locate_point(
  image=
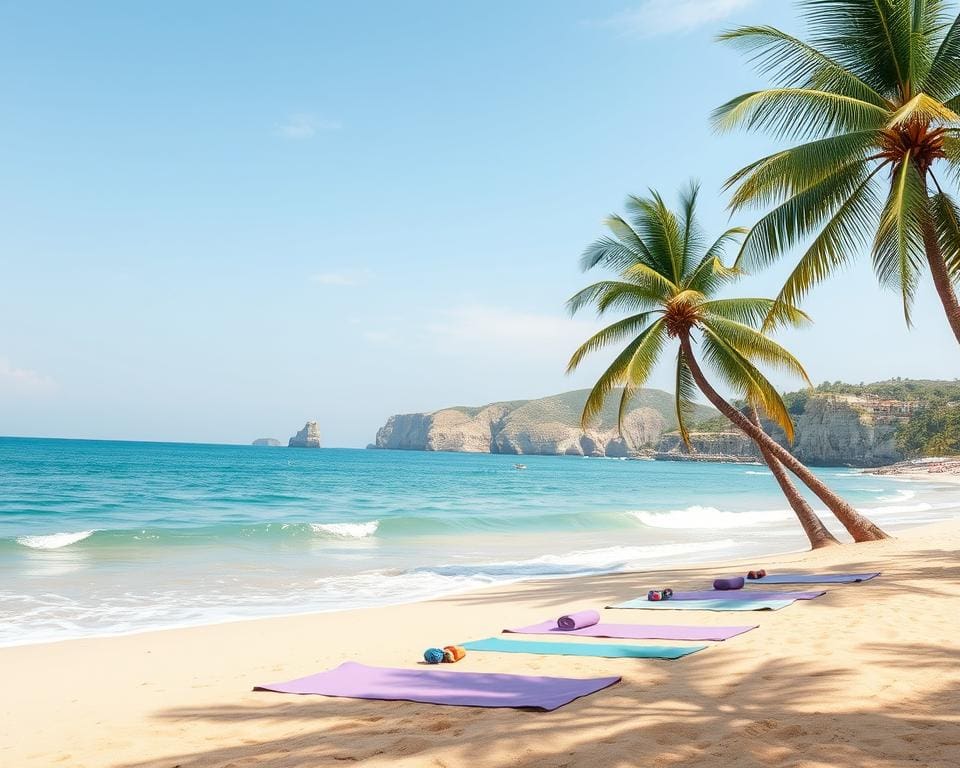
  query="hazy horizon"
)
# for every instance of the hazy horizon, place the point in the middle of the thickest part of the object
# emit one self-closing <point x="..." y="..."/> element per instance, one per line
<point x="224" y="221"/>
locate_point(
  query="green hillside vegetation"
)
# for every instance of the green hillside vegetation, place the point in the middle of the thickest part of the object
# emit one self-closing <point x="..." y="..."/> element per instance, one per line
<point x="923" y="390"/>
<point x="934" y="430"/>
<point x="567" y="407"/>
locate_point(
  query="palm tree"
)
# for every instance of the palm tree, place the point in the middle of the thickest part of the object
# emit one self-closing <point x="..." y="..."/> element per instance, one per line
<point x="668" y="281"/>
<point x="817" y="533"/>
<point x="873" y="96"/>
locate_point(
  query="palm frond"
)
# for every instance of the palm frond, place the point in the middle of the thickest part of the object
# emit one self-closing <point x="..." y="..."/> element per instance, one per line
<point x="837" y="243"/>
<point x="612" y="253"/>
<point x="632" y="365"/>
<point x="799" y="216"/>
<point x="691" y="237"/>
<point x="898" y="249"/>
<point x="755" y="346"/>
<point x="942" y="80"/>
<point x="659" y="229"/>
<point x="755" y="312"/>
<point x="744" y="378"/>
<point x="785" y="173"/>
<point x="612" y="334"/>
<point x="711" y="273"/>
<point x="799" y="113"/>
<point x="792" y="63"/>
<point x="946" y="217"/>
<point x="614" y="294"/>
<point x="922" y="109"/>
<point x="871" y="38"/>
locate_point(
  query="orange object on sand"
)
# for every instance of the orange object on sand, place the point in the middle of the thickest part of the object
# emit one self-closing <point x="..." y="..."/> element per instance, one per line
<point x="453" y="653"/>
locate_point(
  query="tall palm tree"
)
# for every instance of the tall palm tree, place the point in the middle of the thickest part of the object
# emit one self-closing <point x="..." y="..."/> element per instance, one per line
<point x="874" y="97"/>
<point x="668" y="281"/>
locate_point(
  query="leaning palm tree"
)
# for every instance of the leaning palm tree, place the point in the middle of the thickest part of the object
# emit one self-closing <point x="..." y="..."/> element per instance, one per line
<point x="874" y="98"/>
<point x="668" y="281"/>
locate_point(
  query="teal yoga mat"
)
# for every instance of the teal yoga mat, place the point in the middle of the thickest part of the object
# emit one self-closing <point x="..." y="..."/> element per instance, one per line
<point x="718" y="604"/>
<point x="606" y="650"/>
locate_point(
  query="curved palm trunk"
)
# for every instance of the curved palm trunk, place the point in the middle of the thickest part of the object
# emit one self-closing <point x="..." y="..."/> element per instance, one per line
<point x="941" y="280"/>
<point x="813" y="526"/>
<point x="859" y="527"/>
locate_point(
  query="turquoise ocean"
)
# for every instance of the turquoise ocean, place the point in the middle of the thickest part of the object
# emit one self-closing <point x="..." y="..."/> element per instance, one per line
<point x="100" y="537"/>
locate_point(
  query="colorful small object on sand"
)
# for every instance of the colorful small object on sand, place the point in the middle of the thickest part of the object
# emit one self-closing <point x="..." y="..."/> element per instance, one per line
<point x="656" y="595"/>
<point x="433" y="655"/>
<point x="453" y="653"/>
<point x="754" y="575"/>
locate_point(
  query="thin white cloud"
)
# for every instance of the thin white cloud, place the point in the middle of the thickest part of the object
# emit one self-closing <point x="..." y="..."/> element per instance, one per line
<point x="300" y="127"/>
<point x="23" y="381"/>
<point x="663" y="17"/>
<point x="342" y="279"/>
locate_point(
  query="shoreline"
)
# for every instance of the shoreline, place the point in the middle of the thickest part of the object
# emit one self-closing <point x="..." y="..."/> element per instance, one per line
<point x="465" y="593"/>
<point x="183" y="696"/>
<point x="747" y="542"/>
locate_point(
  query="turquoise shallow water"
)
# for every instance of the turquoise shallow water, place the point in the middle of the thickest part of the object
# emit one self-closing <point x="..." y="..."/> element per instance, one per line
<point x="102" y="537"/>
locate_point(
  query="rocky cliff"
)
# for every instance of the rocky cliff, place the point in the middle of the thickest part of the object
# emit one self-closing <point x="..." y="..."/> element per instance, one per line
<point x="833" y="432"/>
<point x="730" y="445"/>
<point x="549" y="425"/>
<point x="308" y="437"/>
<point x="830" y="431"/>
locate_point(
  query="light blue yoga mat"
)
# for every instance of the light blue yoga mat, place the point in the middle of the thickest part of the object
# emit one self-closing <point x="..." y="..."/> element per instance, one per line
<point x="815" y="578"/>
<point x="606" y="650"/>
<point x="719" y="604"/>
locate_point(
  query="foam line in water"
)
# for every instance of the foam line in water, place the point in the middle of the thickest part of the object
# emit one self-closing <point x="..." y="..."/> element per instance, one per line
<point x="697" y="516"/>
<point x="577" y="562"/>
<point x="53" y="540"/>
<point x="347" y="530"/>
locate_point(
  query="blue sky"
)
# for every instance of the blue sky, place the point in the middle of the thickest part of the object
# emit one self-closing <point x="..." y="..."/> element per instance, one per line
<point x="221" y="219"/>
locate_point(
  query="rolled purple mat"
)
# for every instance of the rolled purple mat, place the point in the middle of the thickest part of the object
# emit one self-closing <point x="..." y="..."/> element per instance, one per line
<point x="736" y="582"/>
<point x="578" y="620"/>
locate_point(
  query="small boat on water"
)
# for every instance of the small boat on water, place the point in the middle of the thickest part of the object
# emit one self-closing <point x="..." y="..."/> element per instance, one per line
<point x="519" y="466"/>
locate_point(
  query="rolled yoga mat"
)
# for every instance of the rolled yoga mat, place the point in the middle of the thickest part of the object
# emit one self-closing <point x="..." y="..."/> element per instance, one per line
<point x="604" y="650"/>
<point x="816" y="578"/>
<point x="735" y="582"/>
<point x="578" y="620"/>
<point x="716" y="604"/>
<point x="635" y="631"/>
<point x="435" y="686"/>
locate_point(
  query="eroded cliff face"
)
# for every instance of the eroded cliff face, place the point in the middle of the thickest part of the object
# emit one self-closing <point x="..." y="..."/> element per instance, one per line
<point x="708" y="446"/>
<point x="832" y="433"/>
<point x="828" y="433"/>
<point x="518" y="430"/>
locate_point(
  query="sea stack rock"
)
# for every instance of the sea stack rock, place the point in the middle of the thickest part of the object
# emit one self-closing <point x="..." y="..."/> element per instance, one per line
<point x="308" y="437"/>
<point x="270" y="441"/>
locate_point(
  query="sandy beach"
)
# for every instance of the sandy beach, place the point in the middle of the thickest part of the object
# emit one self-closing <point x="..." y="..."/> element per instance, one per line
<point x="867" y="675"/>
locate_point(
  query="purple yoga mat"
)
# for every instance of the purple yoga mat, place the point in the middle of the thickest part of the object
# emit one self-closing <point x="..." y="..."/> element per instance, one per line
<point x="577" y="620"/>
<point x="745" y="594"/>
<point x="433" y="686"/>
<point x="636" y="631"/>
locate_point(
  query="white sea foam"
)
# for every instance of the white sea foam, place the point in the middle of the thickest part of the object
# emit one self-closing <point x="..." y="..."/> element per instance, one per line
<point x="53" y="540"/>
<point x="900" y="495"/>
<point x="754" y="472"/>
<point x="599" y="560"/>
<point x="697" y="516"/>
<point x="347" y="530"/>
